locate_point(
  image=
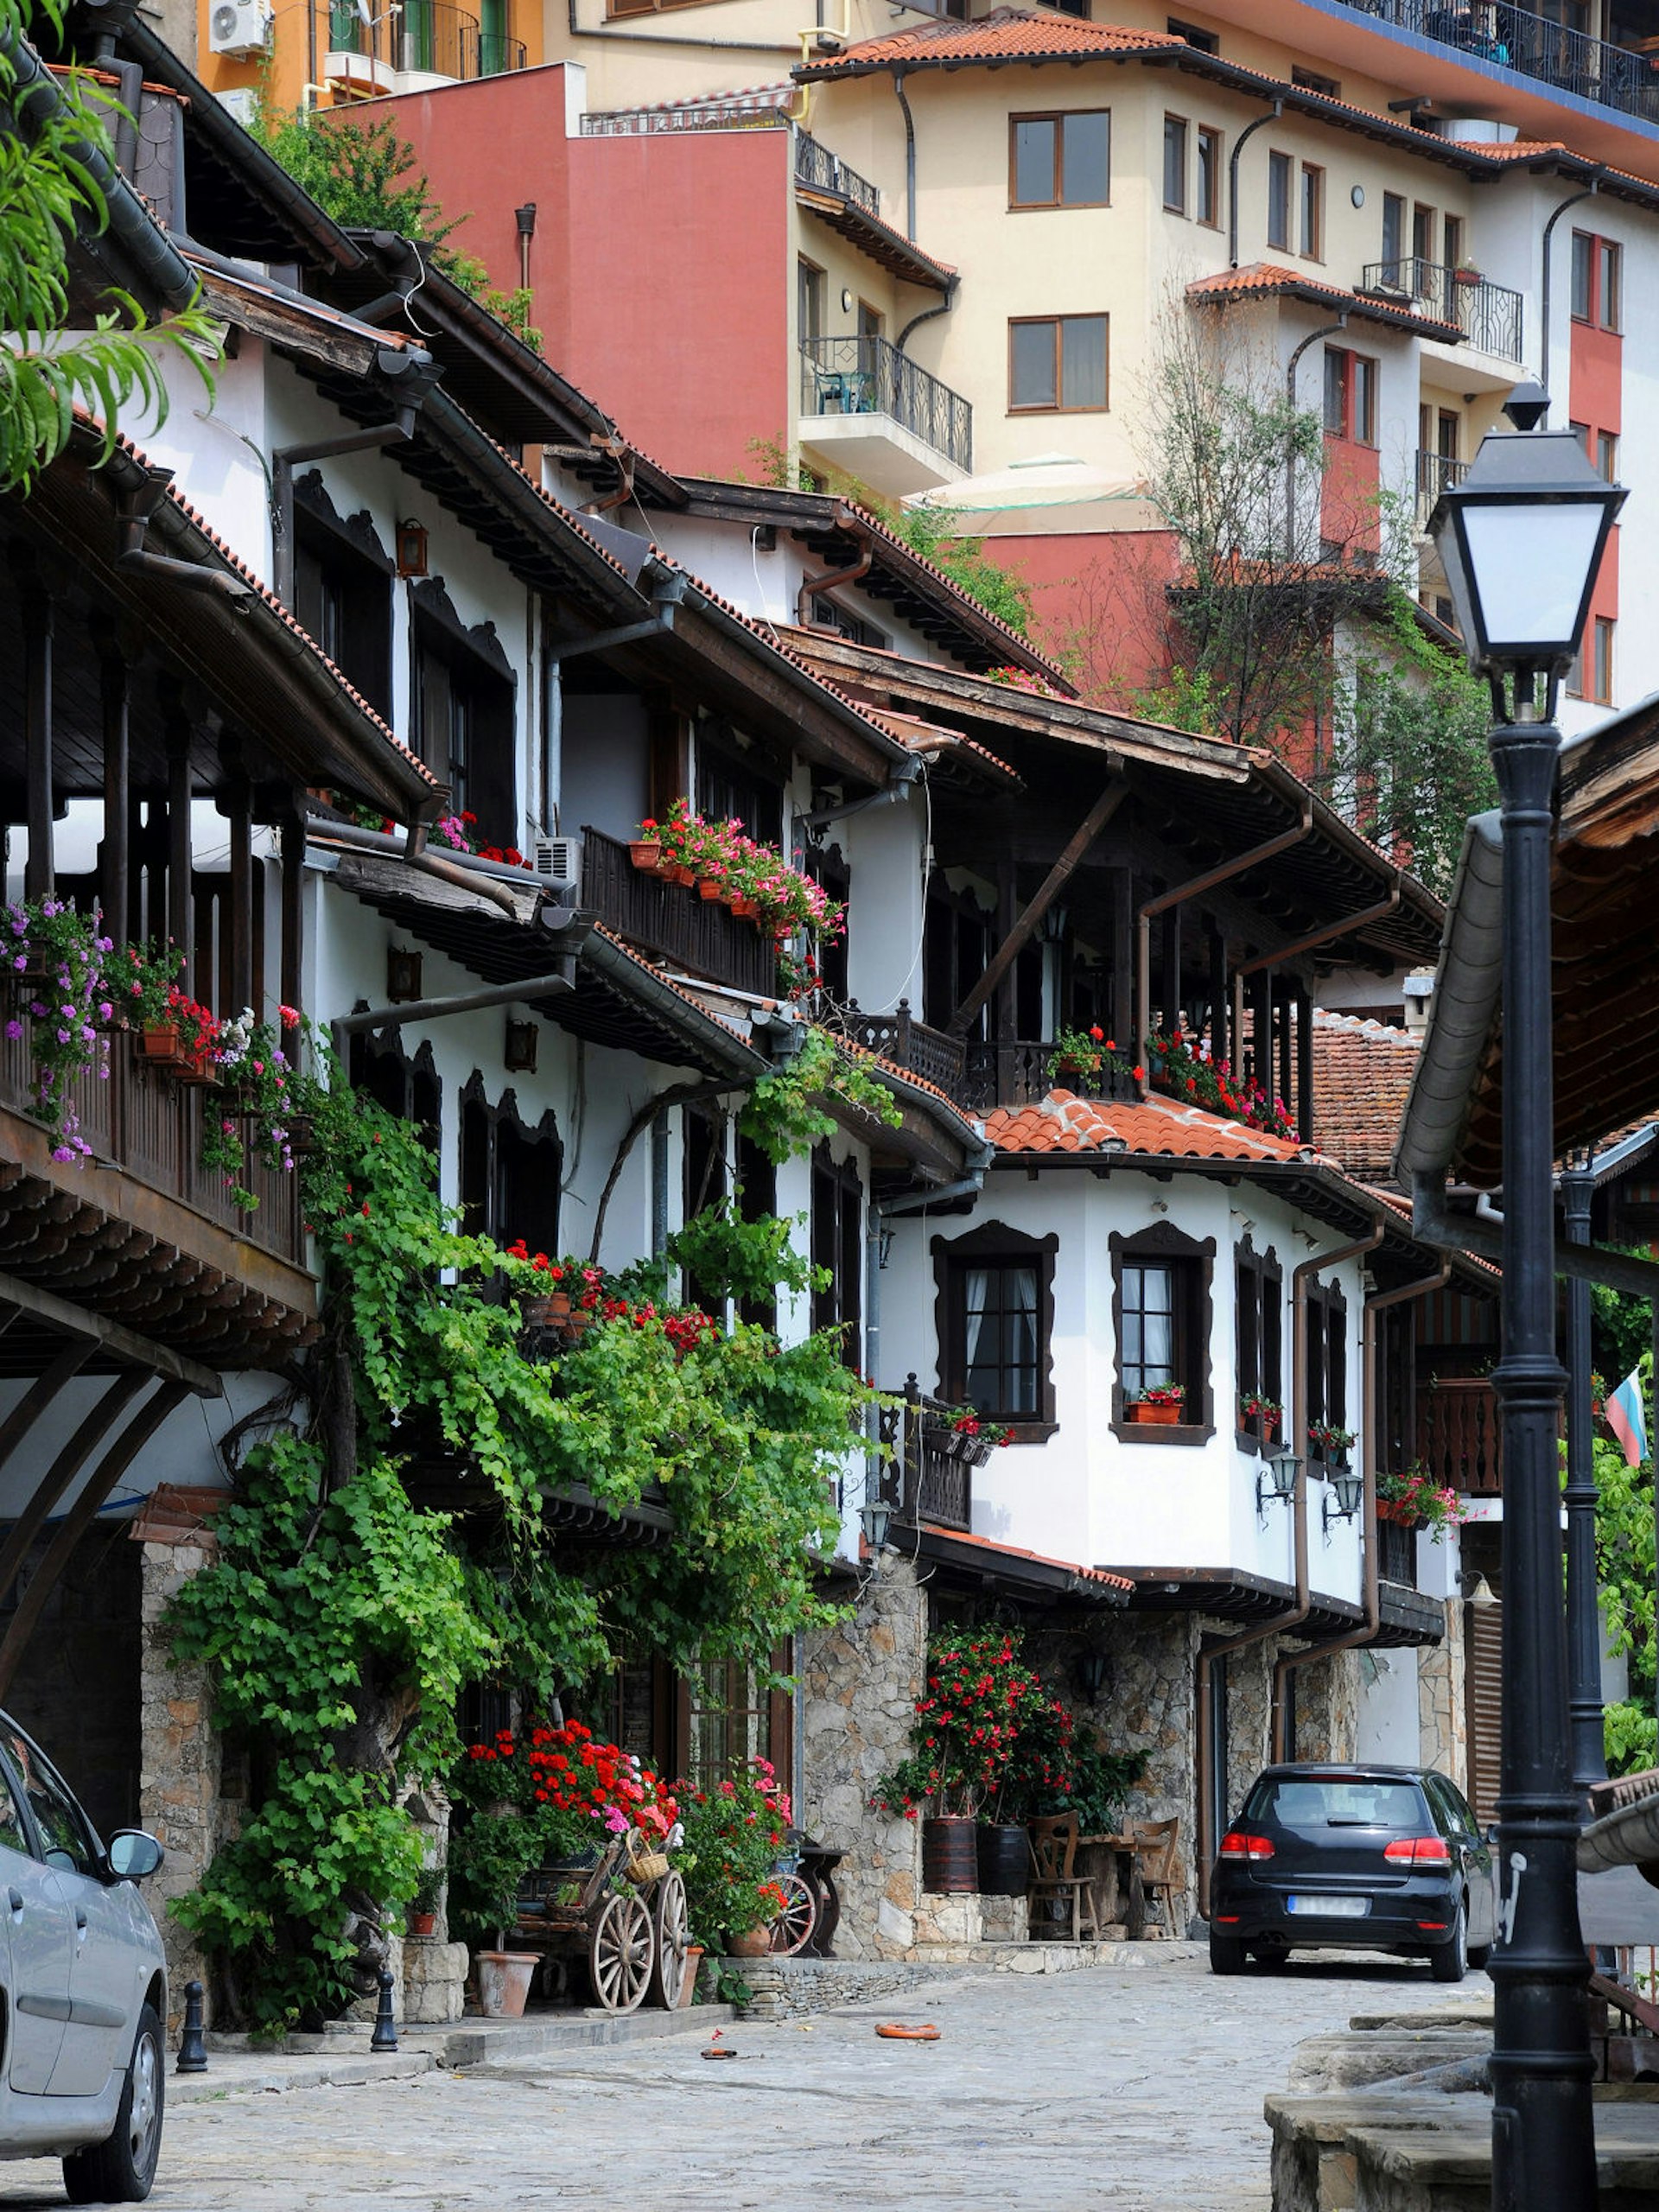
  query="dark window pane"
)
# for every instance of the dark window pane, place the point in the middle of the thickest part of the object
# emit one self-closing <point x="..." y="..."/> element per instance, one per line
<point x="1175" y="163"/>
<point x="1032" y="375"/>
<point x="1033" y="162"/>
<point x="1336" y="411"/>
<point x="1279" y="199"/>
<point x="1581" y="270"/>
<point x="1082" y="367"/>
<point x="1085" y="163"/>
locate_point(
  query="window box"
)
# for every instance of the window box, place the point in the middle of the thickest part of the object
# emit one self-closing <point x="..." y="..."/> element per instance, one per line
<point x="1145" y="1416"/>
<point x="1161" y="1322"/>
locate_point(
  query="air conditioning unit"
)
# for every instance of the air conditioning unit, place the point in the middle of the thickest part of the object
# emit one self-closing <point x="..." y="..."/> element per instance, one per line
<point x="237" y="25"/>
<point x="241" y="104"/>
<point x="558" y="863"/>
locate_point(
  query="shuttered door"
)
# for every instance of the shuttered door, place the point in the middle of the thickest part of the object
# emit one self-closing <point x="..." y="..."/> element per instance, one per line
<point x="1485" y="1690"/>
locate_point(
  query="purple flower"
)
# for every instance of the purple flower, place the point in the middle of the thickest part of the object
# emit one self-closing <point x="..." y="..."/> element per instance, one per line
<point x="13" y="1031"/>
<point x="63" y="1152"/>
<point x="21" y="961"/>
<point x="105" y="1010"/>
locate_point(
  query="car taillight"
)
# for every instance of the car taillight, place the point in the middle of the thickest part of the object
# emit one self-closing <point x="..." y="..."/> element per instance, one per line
<point x="1236" y="1845"/>
<point x="1420" y="1851"/>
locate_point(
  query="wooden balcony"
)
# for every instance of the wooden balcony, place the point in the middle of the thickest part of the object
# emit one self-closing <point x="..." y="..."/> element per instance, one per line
<point x="673" y="922"/>
<point x="1458" y="1437"/>
<point x="977" y="1075"/>
<point x="930" y="1477"/>
<point x="1396" y="1553"/>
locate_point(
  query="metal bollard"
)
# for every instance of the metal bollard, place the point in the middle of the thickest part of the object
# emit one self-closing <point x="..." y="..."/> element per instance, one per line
<point x="193" y="2051"/>
<point x="386" y="2028"/>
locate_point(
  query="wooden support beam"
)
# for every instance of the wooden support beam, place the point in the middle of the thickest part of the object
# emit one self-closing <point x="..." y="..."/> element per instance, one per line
<point x="42" y="1391"/>
<point x="1004" y="1019"/>
<point x="240" y="919"/>
<point x="180" y="910"/>
<point x="114" y="868"/>
<point x="293" y="953"/>
<point x="1124" y="963"/>
<point x="1169" y="981"/>
<point x="79" y="1322"/>
<point x="89" y="1432"/>
<point x="1285" y="995"/>
<point x="1305" y="1064"/>
<point x="1019" y="933"/>
<point x="1261" y="1027"/>
<point x="1219" y="1009"/>
<point x="39" y="875"/>
<point x="75" y="1523"/>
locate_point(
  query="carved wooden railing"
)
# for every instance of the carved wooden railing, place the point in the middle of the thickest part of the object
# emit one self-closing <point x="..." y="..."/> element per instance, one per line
<point x="673" y="921"/>
<point x="929" y="1476"/>
<point x="978" y="1076"/>
<point x="1396" y="1553"/>
<point x="1459" y="1436"/>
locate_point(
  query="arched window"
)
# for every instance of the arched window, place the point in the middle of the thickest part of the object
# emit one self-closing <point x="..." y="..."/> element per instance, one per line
<point x="510" y="1171"/>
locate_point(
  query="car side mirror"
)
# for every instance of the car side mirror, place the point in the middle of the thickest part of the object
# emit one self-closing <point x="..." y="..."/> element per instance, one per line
<point x="1489" y="1834"/>
<point x="133" y="1854"/>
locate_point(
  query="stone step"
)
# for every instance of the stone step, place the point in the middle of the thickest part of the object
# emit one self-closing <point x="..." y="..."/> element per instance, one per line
<point x="1347" y="2061"/>
<point x="1313" y="2164"/>
<point x="1449" y="2169"/>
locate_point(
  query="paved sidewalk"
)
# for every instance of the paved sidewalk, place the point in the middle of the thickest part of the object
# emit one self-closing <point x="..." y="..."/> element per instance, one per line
<point x="1138" y="2092"/>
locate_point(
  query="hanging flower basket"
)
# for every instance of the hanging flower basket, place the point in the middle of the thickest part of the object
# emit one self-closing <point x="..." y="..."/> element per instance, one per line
<point x="647" y="854"/>
<point x="162" y="1044"/>
<point x="710" y="888"/>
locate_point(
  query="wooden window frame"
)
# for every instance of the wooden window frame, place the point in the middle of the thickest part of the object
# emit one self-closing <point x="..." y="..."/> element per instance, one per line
<point x="1057" y="323"/>
<point x="1325" y="1320"/>
<point x="835" y="1229"/>
<point x="1208" y="215"/>
<point x="1610" y="278"/>
<point x="1259" y="1320"/>
<point x="1280" y="165"/>
<point x="497" y="1115"/>
<point x="1601" y="642"/>
<point x="1310" y="180"/>
<point x="994" y="1243"/>
<point x="1178" y="123"/>
<point x="1058" y="117"/>
<point x="1163" y="1244"/>
<point x="1349" y="431"/>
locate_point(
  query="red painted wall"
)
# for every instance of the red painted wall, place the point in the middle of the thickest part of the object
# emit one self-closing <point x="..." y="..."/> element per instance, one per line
<point x="1098" y="603"/>
<point x="1596" y="396"/>
<point x="659" y="266"/>
<point x="1349" y="514"/>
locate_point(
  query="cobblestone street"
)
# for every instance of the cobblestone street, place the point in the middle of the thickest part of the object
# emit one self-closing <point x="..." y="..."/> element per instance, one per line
<point x="1139" y="2089"/>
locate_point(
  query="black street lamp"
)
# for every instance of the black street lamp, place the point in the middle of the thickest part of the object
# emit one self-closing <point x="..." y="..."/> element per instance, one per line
<point x="1520" y="540"/>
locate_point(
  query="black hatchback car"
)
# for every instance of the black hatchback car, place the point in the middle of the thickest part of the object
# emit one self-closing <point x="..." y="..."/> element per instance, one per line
<point x="1353" y="1859"/>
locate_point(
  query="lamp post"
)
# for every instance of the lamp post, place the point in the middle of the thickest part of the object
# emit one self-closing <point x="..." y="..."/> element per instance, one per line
<point x="1583" y="1595"/>
<point x="1521" y="539"/>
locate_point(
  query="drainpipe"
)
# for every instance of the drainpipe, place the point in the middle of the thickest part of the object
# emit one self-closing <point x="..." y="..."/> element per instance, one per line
<point x="138" y="505"/>
<point x="1182" y="892"/>
<point x="1249" y="131"/>
<point x="927" y="314"/>
<point x="484" y="877"/>
<point x="1298" y="1611"/>
<point x="1370" y="1454"/>
<point x="1589" y="192"/>
<point x="1432" y="1225"/>
<point x="910" y="155"/>
<point x="830" y="580"/>
<point x="1325" y="330"/>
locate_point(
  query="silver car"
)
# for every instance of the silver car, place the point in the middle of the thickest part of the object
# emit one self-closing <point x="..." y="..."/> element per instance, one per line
<point x="84" y="1986"/>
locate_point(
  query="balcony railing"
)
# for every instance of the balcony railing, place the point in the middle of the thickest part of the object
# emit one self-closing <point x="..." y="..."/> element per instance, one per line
<point x="1396" y="1553"/>
<point x="1489" y="315"/>
<point x="1533" y="46"/>
<point x="1460" y="1440"/>
<point x="764" y="110"/>
<point x="1436" y="473"/>
<point x="148" y="1125"/>
<point x="929" y="1476"/>
<point x="427" y="36"/>
<point x="978" y="1075"/>
<point x="870" y="376"/>
<point x="817" y="166"/>
<point x="673" y="920"/>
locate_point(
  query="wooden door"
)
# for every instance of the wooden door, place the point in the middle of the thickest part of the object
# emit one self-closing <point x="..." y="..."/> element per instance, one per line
<point x="1485" y="1647"/>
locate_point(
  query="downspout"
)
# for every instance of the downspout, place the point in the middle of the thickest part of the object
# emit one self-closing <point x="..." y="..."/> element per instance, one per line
<point x="1182" y="892"/>
<point x="1249" y="131"/>
<point x="909" y="154"/>
<point x="138" y="503"/>
<point x="1589" y="192"/>
<point x="1297" y="1611"/>
<point x="1325" y="330"/>
<point x="1432" y="1225"/>
<point x="928" y="314"/>
<point x="412" y="848"/>
<point x="829" y="582"/>
<point x="1370" y="1453"/>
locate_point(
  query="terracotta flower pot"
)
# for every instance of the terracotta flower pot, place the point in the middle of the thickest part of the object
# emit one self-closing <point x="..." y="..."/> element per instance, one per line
<point x="676" y="872"/>
<point x="711" y="888"/>
<point x="750" y="1944"/>
<point x="423" y="1924"/>
<point x="645" y="853"/>
<point x="743" y="908"/>
<point x="1156" y="1417"/>
<point x="504" y="1980"/>
<point x="546" y="1313"/>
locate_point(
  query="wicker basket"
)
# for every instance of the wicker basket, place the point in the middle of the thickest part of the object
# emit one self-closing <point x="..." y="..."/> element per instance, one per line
<point x="645" y="1866"/>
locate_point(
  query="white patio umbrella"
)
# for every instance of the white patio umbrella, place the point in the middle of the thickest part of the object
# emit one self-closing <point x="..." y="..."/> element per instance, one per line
<point x="1051" y="492"/>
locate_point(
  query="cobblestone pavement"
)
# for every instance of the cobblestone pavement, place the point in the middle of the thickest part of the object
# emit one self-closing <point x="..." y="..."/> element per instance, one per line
<point x="1137" y="2091"/>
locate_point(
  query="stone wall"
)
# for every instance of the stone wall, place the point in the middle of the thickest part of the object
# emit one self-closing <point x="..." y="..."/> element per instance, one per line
<point x="859" y="1681"/>
<point x="180" y="1800"/>
<point x="785" y="1989"/>
<point x="1249" y="1717"/>
<point x="1442" y="1700"/>
<point x="1327" y="1707"/>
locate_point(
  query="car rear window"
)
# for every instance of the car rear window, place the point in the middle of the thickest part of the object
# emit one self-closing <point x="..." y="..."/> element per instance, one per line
<point x="1338" y="1801"/>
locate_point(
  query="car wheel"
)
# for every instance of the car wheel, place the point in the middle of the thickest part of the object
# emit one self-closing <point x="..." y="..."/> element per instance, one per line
<point x="1449" y="1961"/>
<point x="120" y="2170"/>
<point x="1226" y="1953"/>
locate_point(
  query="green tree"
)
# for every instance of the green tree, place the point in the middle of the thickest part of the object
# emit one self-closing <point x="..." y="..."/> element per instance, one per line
<point x="54" y="151"/>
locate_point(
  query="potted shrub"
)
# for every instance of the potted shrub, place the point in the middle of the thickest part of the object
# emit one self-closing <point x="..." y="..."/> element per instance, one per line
<point x="1161" y="1405"/>
<point x="646" y="850"/>
<point x="961" y="1739"/>
<point x="1078" y="1055"/>
<point x="1260" y="1415"/>
<point x="1416" y="1501"/>
<point x="1329" y="1443"/>
<point x="734" y="1831"/>
<point x="489" y="1858"/>
<point x="423" y="1906"/>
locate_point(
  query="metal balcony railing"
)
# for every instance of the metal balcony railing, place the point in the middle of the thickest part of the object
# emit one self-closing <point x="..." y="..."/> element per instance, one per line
<point x="426" y="35"/>
<point x="1489" y="315"/>
<point x="1533" y="46"/>
<point x="1436" y="472"/>
<point x="817" y="166"/>
<point x="930" y="1476"/>
<point x="870" y="376"/>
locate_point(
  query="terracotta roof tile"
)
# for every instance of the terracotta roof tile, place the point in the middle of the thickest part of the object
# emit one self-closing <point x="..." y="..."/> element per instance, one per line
<point x="1155" y="1128"/>
<point x="1361" y="1071"/>
<point x="1005" y="34"/>
<point x="1125" y="1582"/>
<point x="1268" y="280"/>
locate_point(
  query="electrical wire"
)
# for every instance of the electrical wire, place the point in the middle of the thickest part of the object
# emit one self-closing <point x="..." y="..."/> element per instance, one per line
<point x="927" y="876"/>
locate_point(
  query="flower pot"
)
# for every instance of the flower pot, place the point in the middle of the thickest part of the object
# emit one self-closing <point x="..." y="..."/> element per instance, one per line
<point x="1389" y="1509"/>
<point x="676" y="872"/>
<point x="546" y="1313"/>
<point x="504" y="1980"/>
<point x="750" y="1944"/>
<point x="711" y="888"/>
<point x="950" y="1854"/>
<point x="645" y="853"/>
<point x="162" y="1046"/>
<point x="422" y="1924"/>
<point x="743" y="908"/>
<point x="1156" y="1417"/>
<point x="1003" y="1856"/>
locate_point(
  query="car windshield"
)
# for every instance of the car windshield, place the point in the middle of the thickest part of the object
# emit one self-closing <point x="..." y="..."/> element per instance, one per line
<point x="1336" y="1802"/>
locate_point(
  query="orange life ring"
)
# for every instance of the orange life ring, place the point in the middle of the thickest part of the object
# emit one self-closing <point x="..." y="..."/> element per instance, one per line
<point x="895" y="2032"/>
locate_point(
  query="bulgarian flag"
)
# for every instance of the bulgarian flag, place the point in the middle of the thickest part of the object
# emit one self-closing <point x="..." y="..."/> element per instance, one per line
<point x="1624" y="1417"/>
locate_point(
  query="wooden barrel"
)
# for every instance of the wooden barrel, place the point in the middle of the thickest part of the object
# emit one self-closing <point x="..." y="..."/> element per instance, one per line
<point x="950" y="1854"/>
<point x="1004" y="1859"/>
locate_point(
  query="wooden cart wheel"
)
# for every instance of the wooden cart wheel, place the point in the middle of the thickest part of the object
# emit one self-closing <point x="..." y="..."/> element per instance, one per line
<point x="792" y="1929"/>
<point x="620" y="1950"/>
<point x="672" y="1929"/>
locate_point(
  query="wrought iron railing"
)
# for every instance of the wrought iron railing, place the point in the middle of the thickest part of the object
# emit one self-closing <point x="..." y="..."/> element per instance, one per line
<point x="1459" y="1438"/>
<point x="673" y="920"/>
<point x="1396" y="1553"/>
<point x="1532" y="45"/>
<point x="765" y="110"/>
<point x="1489" y="315"/>
<point x="148" y="1124"/>
<point x="425" y="35"/>
<point x="930" y="1476"/>
<point x="817" y="166"/>
<point x="1436" y="473"/>
<point x="870" y="376"/>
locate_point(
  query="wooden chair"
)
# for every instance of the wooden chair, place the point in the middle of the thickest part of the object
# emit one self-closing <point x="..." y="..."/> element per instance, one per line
<point x="1054" y="1850"/>
<point x="1155" y="1845"/>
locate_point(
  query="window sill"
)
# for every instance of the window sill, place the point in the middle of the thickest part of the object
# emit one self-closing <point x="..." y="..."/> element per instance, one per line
<point x="1149" y="1431"/>
<point x="1029" y="1431"/>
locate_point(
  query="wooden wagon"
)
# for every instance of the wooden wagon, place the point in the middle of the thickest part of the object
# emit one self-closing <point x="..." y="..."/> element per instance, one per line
<point x="632" y="1933"/>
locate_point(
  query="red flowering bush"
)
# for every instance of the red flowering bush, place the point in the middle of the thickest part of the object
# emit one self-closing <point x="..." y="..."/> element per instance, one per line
<point x="1186" y="1074"/>
<point x="734" y="1830"/>
<point x="980" y="1695"/>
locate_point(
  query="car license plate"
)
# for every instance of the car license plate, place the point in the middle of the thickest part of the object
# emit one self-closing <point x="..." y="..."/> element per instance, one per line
<point x="1331" y="1908"/>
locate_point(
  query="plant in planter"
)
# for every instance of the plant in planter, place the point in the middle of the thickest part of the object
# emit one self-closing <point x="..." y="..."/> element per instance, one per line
<point x="1098" y="1784"/>
<point x="1186" y="1071"/>
<point x="1161" y="1405"/>
<point x="734" y="1830"/>
<point x="1420" y="1502"/>
<point x="1079" y="1052"/>
<point x="60" y="967"/>
<point x="966" y="1433"/>
<point x="266" y="1100"/>
<point x="1327" y="1442"/>
<point x="424" y="1905"/>
<point x="1259" y="1414"/>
